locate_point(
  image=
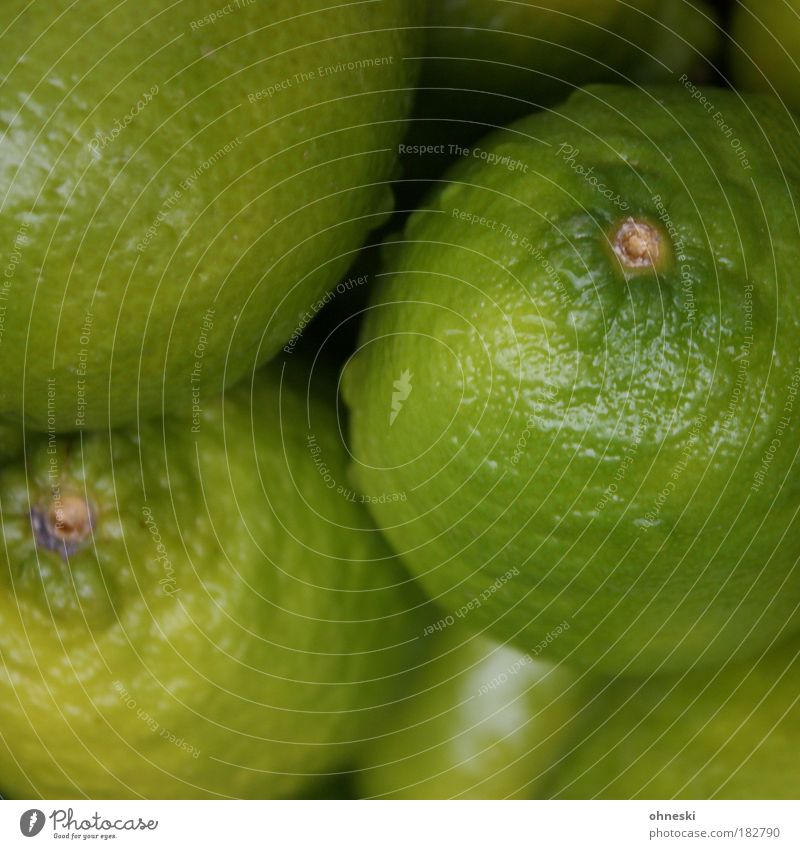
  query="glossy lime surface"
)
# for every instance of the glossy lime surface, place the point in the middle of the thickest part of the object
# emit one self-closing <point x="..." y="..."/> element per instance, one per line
<point x="179" y="185"/>
<point x="582" y="440"/>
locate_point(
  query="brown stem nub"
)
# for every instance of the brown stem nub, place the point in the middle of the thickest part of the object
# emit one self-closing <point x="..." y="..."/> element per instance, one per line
<point x="639" y="245"/>
<point x="65" y="526"/>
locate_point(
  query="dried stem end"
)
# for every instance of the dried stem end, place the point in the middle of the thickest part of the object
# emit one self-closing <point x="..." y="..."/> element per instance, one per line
<point x="639" y="245"/>
<point x="63" y="526"/>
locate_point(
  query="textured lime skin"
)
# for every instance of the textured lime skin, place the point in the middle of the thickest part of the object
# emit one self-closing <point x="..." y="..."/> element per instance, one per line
<point x="626" y="441"/>
<point x="538" y="52"/>
<point x="732" y="734"/>
<point x="486" y="722"/>
<point x="765" y="44"/>
<point x="154" y="168"/>
<point x="249" y="659"/>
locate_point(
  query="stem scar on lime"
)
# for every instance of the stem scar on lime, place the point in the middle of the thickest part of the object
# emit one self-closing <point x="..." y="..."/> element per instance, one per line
<point x="640" y="245"/>
<point x="63" y="526"/>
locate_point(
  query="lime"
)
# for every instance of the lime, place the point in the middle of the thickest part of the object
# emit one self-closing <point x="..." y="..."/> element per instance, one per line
<point x="727" y="734"/>
<point x="486" y="722"/>
<point x="195" y="613"/>
<point x="181" y="181"/>
<point x="765" y="42"/>
<point x="581" y="371"/>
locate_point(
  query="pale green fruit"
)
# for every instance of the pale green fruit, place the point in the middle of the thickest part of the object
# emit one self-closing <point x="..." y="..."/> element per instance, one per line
<point x="732" y="733"/>
<point x="195" y="613"/>
<point x="485" y="722"/>
<point x="179" y="185"/>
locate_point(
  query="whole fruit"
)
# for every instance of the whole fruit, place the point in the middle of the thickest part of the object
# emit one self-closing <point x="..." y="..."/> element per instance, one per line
<point x="727" y="734"/>
<point x="194" y="613"/>
<point x="765" y="42"/>
<point x="179" y="185"/>
<point x="581" y="375"/>
<point x="486" y="722"/>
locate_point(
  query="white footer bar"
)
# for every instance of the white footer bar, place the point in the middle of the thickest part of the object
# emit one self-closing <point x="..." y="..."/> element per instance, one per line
<point x="402" y="825"/>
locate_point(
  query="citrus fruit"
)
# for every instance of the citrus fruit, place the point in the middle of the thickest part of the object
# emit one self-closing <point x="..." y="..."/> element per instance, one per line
<point x="194" y="614"/>
<point x="486" y="722"/>
<point x="180" y="184"/>
<point x="581" y="372"/>
<point x="727" y="734"/>
<point x="765" y="42"/>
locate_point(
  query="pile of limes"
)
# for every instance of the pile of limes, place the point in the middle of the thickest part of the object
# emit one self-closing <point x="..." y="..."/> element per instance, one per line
<point x="400" y="400"/>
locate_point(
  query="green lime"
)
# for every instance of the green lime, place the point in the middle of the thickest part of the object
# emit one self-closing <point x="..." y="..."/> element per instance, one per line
<point x="727" y="734"/>
<point x="581" y="373"/>
<point x="195" y="612"/>
<point x="180" y="184"/>
<point x="765" y="42"/>
<point x="485" y="722"/>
